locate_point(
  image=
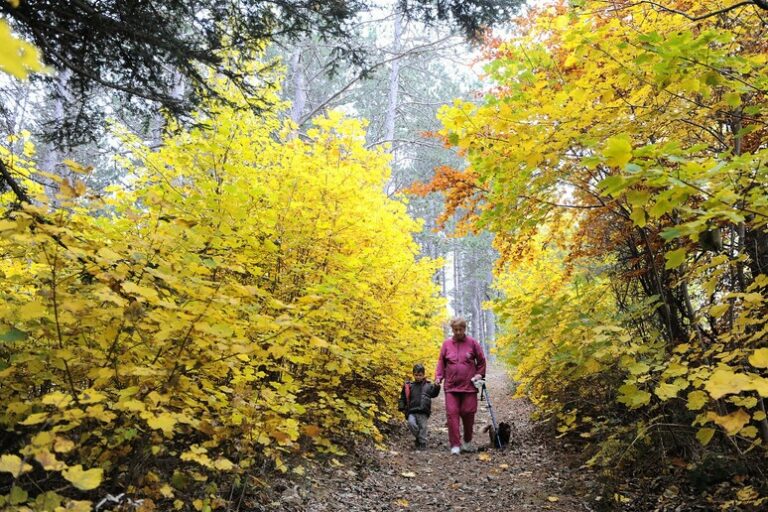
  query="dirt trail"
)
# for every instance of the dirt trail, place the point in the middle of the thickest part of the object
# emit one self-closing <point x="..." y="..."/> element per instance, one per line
<point x="527" y="476"/>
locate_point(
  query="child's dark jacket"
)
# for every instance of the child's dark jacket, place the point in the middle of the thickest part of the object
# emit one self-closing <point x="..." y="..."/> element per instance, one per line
<point x="419" y="400"/>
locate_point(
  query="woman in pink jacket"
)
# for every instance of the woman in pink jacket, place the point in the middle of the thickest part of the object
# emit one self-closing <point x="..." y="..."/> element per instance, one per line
<point x="461" y="363"/>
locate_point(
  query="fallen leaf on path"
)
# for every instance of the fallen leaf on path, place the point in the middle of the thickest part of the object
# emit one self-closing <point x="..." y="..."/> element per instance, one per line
<point x="484" y="457"/>
<point x="553" y="498"/>
<point x="402" y="502"/>
<point x="504" y="466"/>
<point x="408" y="474"/>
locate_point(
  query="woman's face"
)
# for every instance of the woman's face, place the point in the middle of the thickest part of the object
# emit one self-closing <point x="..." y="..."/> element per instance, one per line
<point x="459" y="332"/>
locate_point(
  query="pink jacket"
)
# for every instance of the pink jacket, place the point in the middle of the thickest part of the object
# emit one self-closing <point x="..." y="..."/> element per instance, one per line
<point x="458" y="363"/>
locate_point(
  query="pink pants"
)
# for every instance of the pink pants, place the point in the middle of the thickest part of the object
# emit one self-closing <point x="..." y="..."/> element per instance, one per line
<point x="464" y="406"/>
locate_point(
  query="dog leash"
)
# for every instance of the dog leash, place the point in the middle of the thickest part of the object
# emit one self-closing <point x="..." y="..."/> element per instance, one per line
<point x="484" y="395"/>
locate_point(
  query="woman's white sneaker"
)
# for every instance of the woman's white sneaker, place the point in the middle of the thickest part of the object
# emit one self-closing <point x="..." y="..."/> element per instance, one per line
<point x="455" y="450"/>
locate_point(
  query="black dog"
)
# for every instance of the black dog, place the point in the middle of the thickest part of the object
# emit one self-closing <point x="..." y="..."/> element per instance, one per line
<point x="505" y="431"/>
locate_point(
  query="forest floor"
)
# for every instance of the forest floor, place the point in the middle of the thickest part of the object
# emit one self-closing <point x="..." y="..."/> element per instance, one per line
<point x="529" y="475"/>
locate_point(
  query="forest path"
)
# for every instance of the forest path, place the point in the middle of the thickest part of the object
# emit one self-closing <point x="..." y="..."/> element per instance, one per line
<point x="526" y="476"/>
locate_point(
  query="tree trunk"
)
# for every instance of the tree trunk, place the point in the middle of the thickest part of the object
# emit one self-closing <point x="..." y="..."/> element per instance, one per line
<point x="394" y="86"/>
<point x="299" y="87"/>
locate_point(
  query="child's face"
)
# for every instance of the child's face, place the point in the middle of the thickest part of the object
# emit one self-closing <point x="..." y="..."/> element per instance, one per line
<point x="418" y="376"/>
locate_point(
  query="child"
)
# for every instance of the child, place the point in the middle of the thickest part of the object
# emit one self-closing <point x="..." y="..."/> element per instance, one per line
<point x="416" y="403"/>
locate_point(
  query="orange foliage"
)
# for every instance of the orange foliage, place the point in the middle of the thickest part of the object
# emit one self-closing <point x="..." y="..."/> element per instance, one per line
<point x="462" y="192"/>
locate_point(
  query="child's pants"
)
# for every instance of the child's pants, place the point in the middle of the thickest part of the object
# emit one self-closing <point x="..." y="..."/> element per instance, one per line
<point x="417" y="424"/>
<point x="460" y="406"/>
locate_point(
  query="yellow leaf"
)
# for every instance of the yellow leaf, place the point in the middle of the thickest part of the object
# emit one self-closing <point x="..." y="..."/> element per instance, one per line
<point x="408" y="474"/>
<point x="484" y="457"/>
<point x="76" y="506"/>
<point x="127" y="404"/>
<point x="84" y="480"/>
<point x="34" y="419"/>
<point x="48" y="461"/>
<point x="696" y="400"/>
<point x="98" y="412"/>
<point x="632" y="396"/>
<point x="58" y="399"/>
<point x="223" y="464"/>
<point x="618" y="151"/>
<point x="666" y="390"/>
<point x="553" y="498"/>
<point x="732" y="423"/>
<point x="17" y="57"/>
<point x="167" y="491"/>
<point x="748" y="402"/>
<point x="759" y="359"/>
<point x="42" y="439"/>
<point x="750" y="432"/>
<point x="109" y="255"/>
<point x="620" y="498"/>
<point x="760" y="384"/>
<point x="724" y="381"/>
<point x="638" y="368"/>
<point x="76" y="167"/>
<point x="163" y="421"/>
<point x="402" y="502"/>
<point x="14" y="465"/>
<point x="91" y="396"/>
<point x="31" y="311"/>
<point x="719" y="310"/>
<point x="675" y="370"/>
<point x="63" y="445"/>
<point x="148" y="293"/>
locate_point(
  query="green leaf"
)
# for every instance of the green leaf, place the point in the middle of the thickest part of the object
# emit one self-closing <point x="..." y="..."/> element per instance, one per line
<point x="12" y="335"/>
<point x="638" y="197"/>
<point x="639" y="217"/>
<point x="613" y="184"/>
<point x="18" y="495"/>
<point x="733" y="99"/>
<point x="675" y="258"/>
<point x="671" y="233"/>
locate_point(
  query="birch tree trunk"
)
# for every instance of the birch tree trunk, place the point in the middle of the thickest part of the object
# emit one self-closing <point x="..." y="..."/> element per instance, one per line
<point x="299" y="86"/>
<point x="394" y="86"/>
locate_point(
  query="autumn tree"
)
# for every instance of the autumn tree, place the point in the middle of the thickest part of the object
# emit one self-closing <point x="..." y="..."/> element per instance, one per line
<point x="619" y="159"/>
<point x="242" y="300"/>
<point x="139" y="50"/>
